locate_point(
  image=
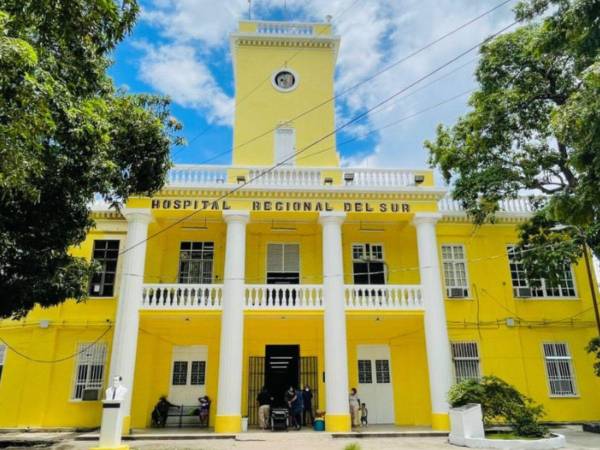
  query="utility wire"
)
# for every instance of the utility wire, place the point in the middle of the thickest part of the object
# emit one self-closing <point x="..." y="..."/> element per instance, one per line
<point x="327" y="135"/>
<point x="53" y="361"/>
<point x="360" y="83"/>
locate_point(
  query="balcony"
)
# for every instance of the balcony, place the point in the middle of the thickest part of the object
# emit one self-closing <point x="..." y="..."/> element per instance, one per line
<point x="206" y="176"/>
<point x="281" y="297"/>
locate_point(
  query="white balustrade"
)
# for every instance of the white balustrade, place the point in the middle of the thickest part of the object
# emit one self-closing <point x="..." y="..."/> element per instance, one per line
<point x="381" y="177"/>
<point x="281" y="28"/>
<point x="283" y="296"/>
<point x="197" y="175"/>
<point x="383" y="296"/>
<point x="182" y="296"/>
<point x="521" y="205"/>
<point x="285" y="176"/>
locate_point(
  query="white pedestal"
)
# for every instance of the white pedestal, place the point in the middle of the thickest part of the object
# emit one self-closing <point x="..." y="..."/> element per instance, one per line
<point x="466" y="422"/>
<point x="112" y="426"/>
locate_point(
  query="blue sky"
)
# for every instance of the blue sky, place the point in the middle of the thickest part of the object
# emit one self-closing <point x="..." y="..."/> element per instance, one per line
<point x="180" y="48"/>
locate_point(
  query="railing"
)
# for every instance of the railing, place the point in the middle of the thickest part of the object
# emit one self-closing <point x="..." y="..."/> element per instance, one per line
<point x="285" y="176"/>
<point x="182" y="296"/>
<point x="521" y="205"/>
<point x="295" y="29"/>
<point x="383" y="296"/>
<point x="381" y="177"/>
<point x="264" y="297"/>
<point x="193" y="175"/>
<point x="283" y="296"/>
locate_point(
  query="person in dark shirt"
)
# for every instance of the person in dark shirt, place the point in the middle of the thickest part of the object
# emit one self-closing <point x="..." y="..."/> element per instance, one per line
<point x="307" y="396"/>
<point x="264" y="400"/>
<point x="161" y="411"/>
<point x="297" y="407"/>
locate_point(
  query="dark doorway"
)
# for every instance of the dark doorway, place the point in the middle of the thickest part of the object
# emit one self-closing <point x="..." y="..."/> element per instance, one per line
<point x="282" y="370"/>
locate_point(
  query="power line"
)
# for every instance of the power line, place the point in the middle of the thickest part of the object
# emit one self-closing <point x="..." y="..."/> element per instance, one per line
<point x="253" y="90"/>
<point x="54" y="361"/>
<point x="360" y="83"/>
<point x="331" y="133"/>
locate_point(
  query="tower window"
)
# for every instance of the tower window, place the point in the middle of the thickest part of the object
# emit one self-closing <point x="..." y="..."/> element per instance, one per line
<point x="285" y="145"/>
<point x="285" y="80"/>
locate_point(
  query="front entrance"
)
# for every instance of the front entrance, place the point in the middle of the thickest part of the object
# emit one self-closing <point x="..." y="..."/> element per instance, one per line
<point x="188" y="374"/>
<point x="279" y="380"/>
<point x="375" y="382"/>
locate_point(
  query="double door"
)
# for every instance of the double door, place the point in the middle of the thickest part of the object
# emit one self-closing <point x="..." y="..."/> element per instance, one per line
<point x="375" y="387"/>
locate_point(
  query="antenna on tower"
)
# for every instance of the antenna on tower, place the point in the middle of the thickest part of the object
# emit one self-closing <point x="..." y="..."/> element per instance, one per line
<point x="249" y="9"/>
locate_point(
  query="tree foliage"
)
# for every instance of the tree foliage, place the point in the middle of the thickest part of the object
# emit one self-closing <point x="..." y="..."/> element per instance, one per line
<point x="66" y="135"/>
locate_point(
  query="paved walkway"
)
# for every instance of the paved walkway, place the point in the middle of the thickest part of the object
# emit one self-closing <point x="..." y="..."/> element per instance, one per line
<point x="576" y="440"/>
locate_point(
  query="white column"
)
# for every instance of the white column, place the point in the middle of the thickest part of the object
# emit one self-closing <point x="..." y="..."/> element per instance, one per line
<point x="337" y="417"/>
<point x="124" y="345"/>
<point x="436" y="332"/>
<point x="229" y="403"/>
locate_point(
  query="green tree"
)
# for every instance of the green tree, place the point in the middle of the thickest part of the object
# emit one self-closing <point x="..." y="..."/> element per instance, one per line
<point x="534" y="127"/>
<point x="66" y="135"/>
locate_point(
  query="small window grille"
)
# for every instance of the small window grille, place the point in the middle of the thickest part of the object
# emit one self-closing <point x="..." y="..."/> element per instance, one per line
<point x="198" y="373"/>
<point x="89" y="369"/>
<point x="466" y="361"/>
<point x="455" y="271"/>
<point x="196" y="262"/>
<point x="106" y="254"/>
<point x="180" y="370"/>
<point x="559" y="370"/>
<point x="382" y="371"/>
<point x="365" y="375"/>
<point x="521" y="285"/>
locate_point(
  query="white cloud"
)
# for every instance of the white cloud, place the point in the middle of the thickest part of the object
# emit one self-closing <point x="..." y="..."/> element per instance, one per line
<point x="374" y="34"/>
<point x="175" y="70"/>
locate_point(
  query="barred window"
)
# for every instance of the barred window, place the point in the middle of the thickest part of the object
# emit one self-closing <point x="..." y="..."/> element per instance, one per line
<point x="196" y="262"/>
<point x="382" y="371"/>
<point x="521" y="286"/>
<point x="365" y="376"/>
<point x="368" y="264"/>
<point x="455" y="271"/>
<point x="198" y="373"/>
<point x="466" y="361"/>
<point x="2" y="356"/>
<point x="559" y="369"/>
<point x="89" y="369"/>
<point x="180" y="370"/>
<point x="105" y="254"/>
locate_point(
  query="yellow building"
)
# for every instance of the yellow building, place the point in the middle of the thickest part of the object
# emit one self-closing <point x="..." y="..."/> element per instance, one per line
<point x="235" y="277"/>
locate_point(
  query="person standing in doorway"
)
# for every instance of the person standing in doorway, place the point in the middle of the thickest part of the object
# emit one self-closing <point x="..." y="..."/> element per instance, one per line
<point x="290" y="397"/>
<point x="264" y="408"/>
<point x="307" y="397"/>
<point x="354" y="407"/>
<point x="297" y="410"/>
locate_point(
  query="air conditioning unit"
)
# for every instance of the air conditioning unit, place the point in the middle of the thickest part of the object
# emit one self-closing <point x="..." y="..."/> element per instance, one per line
<point x="457" y="292"/>
<point x="522" y="292"/>
<point x="90" y="395"/>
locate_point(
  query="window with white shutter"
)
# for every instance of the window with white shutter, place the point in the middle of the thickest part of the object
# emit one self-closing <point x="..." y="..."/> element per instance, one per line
<point x="455" y="271"/>
<point x="89" y="371"/>
<point x="283" y="263"/>
<point x="285" y="143"/>
<point x="559" y="369"/>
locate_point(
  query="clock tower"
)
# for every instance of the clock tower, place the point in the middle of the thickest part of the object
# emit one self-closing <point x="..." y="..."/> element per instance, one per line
<point x="282" y="70"/>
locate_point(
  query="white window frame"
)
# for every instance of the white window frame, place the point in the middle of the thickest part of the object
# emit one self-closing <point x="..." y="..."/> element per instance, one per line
<point x="2" y="359"/>
<point x="201" y="260"/>
<point x="282" y="269"/>
<point x="89" y="354"/>
<point x="454" y="262"/>
<point x="370" y="256"/>
<point x="557" y="359"/>
<point x="540" y="293"/>
<point x="461" y="352"/>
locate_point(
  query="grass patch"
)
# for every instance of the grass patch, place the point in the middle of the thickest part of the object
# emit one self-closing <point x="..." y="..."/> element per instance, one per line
<point x="353" y="446"/>
<point x="508" y="435"/>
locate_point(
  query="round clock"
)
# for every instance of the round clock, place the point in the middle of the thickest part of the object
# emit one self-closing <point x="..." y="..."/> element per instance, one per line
<point x="285" y="80"/>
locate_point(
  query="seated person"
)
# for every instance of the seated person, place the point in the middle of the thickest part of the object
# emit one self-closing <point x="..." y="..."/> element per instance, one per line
<point x="161" y="412"/>
<point x="204" y="410"/>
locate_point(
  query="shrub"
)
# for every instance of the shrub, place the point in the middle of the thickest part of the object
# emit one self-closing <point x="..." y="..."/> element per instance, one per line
<point x="500" y="402"/>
